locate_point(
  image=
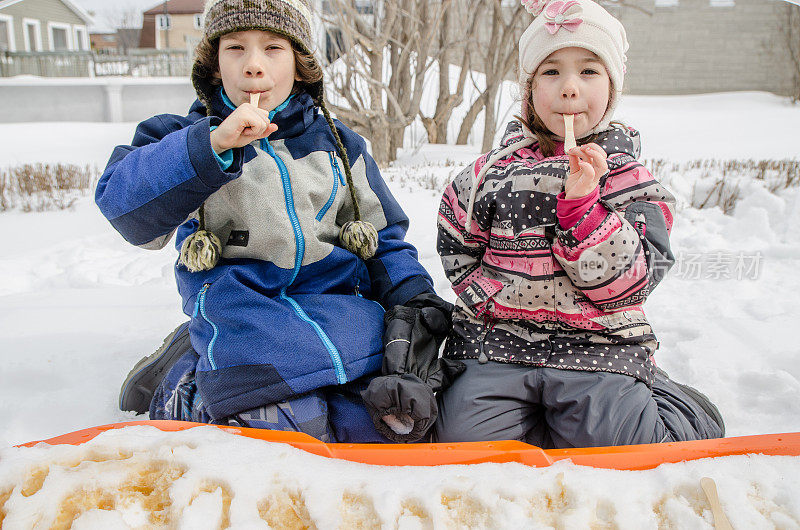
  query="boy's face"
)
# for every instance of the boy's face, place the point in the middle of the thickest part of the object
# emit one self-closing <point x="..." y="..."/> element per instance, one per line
<point x="571" y="81"/>
<point x="256" y="61"/>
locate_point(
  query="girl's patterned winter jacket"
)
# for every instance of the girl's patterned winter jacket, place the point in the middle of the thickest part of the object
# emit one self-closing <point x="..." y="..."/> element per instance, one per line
<point x="287" y="309"/>
<point x="533" y="292"/>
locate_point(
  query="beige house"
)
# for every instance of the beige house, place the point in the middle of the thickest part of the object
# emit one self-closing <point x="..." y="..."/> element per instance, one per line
<point x="43" y="25"/>
<point x="174" y="24"/>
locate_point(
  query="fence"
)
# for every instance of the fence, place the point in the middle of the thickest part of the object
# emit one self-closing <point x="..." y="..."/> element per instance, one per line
<point x="136" y="63"/>
<point x="93" y="99"/>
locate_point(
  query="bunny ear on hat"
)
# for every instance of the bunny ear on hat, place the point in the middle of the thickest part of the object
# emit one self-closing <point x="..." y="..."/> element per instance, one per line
<point x="534" y="7"/>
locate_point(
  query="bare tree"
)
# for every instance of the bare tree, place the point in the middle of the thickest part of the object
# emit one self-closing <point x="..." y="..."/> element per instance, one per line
<point x="386" y="47"/>
<point x="123" y="19"/>
<point x="123" y="16"/>
<point x="456" y="35"/>
<point x="496" y="55"/>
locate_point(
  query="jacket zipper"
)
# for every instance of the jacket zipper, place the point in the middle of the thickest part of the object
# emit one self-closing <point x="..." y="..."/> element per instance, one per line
<point x="488" y="325"/>
<point x="200" y="306"/>
<point x="336" y="178"/>
<point x="336" y="358"/>
<point x="341" y="377"/>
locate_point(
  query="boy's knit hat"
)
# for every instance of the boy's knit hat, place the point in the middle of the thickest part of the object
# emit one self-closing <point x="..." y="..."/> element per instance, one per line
<point x="291" y="18"/>
<point x="575" y="23"/>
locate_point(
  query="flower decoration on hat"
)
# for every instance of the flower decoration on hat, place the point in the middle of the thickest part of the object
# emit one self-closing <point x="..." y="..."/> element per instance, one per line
<point x="534" y="7"/>
<point x="560" y="14"/>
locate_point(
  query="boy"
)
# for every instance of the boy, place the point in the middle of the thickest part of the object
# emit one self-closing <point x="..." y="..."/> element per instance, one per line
<point x="280" y="270"/>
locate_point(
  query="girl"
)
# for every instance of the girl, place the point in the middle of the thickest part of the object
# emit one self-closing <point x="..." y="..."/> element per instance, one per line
<point x="291" y="247"/>
<point x="552" y="254"/>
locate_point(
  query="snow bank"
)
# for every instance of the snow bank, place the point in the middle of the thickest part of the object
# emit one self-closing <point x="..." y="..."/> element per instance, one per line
<point x="206" y="478"/>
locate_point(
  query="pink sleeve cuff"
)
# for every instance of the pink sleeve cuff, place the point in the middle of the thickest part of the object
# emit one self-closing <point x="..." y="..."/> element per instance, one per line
<point x="570" y="211"/>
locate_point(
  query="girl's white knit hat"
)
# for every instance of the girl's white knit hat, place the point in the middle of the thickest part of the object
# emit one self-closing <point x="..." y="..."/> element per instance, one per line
<point x="575" y="23"/>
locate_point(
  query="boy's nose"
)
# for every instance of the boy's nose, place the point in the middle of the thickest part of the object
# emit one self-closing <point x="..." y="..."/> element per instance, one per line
<point x="253" y="69"/>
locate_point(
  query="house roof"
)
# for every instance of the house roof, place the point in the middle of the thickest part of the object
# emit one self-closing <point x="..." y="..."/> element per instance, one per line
<point x="72" y="7"/>
<point x="178" y="7"/>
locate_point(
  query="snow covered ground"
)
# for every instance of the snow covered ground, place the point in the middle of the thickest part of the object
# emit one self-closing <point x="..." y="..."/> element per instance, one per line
<point x="79" y="306"/>
<point x="208" y="479"/>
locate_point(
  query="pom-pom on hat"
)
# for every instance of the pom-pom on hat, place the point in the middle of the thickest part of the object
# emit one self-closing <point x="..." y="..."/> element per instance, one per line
<point x="575" y="23"/>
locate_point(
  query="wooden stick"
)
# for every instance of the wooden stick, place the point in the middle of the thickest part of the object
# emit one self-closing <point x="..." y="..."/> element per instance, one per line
<point x="254" y="97"/>
<point x="720" y="519"/>
<point x="569" y="132"/>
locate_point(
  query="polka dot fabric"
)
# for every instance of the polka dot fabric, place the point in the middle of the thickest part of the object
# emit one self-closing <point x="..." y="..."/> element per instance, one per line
<point x="551" y="346"/>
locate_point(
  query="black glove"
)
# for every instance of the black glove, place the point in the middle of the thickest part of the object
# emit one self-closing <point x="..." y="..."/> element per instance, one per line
<point x="401" y="401"/>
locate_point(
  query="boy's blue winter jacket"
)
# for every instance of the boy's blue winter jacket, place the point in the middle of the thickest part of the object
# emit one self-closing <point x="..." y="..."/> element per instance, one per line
<point x="286" y="310"/>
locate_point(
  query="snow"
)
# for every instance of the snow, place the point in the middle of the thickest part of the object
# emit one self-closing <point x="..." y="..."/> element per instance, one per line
<point x="217" y="477"/>
<point x="79" y="306"/>
<point x="735" y="125"/>
<point x="27" y="80"/>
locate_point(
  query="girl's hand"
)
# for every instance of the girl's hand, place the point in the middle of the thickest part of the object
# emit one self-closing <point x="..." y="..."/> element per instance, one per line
<point x="245" y="124"/>
<point x="587" y="164"/>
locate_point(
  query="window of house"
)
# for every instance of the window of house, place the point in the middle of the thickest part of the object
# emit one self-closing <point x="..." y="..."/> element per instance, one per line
<point x="30" y="38"/>
<point x="722" y="3"/>
<point x="7" y="33"/>
<point x="364" y="7"/>
<point x="198" y="21"/>
<point x="334" y="44"/>
<point x="58" y="39"/>
<point x="80" y="35"/>
<point x="667" y="3"/>
<point x="163" y="22"/>
<point x="33" y="35"/>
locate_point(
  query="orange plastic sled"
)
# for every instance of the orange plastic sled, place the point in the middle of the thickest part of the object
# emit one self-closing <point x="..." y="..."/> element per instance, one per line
<point x="628" y="457"/>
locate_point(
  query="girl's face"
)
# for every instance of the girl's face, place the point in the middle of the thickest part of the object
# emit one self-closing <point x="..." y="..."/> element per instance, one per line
<point x="571" y="81"/>
<point x="256" y="61"/>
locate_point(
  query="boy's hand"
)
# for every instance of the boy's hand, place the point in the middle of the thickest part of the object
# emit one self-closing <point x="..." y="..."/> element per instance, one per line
<point x="245" y="124"/>
<point x="587" y="164"/>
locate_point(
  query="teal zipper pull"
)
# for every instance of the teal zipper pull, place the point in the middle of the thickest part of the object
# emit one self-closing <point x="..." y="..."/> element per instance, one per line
<point x="336" y="169"/>
<point x="197" y="301"/>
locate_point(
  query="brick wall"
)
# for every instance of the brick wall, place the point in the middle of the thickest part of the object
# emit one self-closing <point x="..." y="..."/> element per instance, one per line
<point x="695" y="47"/>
